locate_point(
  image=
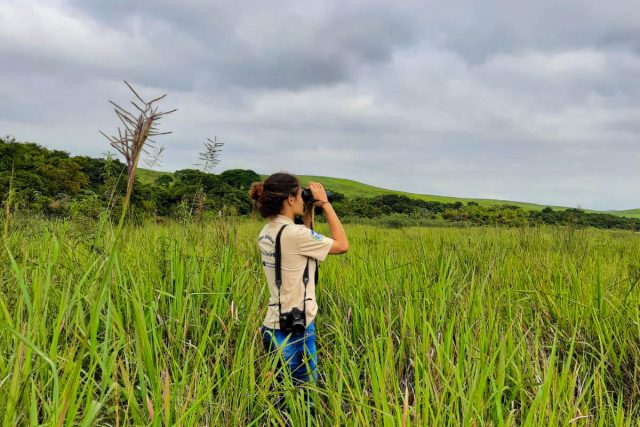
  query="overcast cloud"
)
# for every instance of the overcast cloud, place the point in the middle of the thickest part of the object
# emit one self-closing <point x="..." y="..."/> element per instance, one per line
<point x="531" y="101"/>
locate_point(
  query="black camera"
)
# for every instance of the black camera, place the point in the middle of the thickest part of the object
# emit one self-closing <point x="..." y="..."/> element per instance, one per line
<point x="308" y="197"/>
<point x="293" y="321"/>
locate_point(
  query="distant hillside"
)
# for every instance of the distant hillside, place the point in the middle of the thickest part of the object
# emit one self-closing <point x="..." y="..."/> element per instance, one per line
<point x="148" y="176"/>
<point x="352" y="189"/>
<point x="629" y="213"/>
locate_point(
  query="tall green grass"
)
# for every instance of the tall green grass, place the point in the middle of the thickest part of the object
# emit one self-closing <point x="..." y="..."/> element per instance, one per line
<point x="433" y="326"/>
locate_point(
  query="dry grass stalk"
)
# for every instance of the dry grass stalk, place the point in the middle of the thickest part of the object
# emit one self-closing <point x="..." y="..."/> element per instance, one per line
<point x="211" y="154"/>
<point x="211" y="157"/>
<point x="139" y="128"/>
<point x="154" y="157"/>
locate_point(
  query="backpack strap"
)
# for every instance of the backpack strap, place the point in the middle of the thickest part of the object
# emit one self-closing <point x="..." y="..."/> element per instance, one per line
<point x="279" y="259"/>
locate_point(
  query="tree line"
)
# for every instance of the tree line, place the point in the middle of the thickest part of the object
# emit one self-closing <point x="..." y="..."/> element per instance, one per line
<point x="398" y="210"/>
<point x="55" y="184"/>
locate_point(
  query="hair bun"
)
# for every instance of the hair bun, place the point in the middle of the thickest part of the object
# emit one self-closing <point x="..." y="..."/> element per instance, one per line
<point x="269" y="195"/>
<point x="256" y="192"/>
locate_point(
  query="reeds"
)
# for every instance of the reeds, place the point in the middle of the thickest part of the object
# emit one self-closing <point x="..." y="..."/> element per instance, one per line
<point x="416" y="327"/>
<point x="135" y="137"/>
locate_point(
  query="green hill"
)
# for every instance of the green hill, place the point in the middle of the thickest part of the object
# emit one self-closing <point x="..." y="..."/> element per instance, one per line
<point x="352" y="188"/>
<point x="148" y="176"/>
<point x="630" y="213"/>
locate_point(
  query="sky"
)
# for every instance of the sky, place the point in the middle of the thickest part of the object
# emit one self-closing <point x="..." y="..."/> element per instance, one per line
<point x="516" y="100"/>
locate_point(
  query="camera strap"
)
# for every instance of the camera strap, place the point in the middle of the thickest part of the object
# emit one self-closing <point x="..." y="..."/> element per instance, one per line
<point x="305" y="275"/>
<point x="317" y="266"/>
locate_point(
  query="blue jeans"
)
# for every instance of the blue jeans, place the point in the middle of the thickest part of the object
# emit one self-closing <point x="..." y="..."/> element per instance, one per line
<point x="298" y="351"/>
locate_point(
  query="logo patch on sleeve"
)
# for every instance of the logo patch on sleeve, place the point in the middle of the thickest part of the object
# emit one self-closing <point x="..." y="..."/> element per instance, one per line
<point x="315" y="235"/>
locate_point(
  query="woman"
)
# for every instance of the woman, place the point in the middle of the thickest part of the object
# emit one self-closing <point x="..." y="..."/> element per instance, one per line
<point x="279" y="198"/>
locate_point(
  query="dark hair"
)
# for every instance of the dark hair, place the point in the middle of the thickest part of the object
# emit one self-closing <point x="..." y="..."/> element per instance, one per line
<point x="269" y="195"/>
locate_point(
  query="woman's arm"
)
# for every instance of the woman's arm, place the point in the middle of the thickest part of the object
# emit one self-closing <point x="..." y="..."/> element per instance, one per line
<point x="340" y="241"/>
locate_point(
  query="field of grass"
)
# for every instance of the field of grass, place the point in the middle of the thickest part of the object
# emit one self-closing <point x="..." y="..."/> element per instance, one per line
<point x="419" y="326"/>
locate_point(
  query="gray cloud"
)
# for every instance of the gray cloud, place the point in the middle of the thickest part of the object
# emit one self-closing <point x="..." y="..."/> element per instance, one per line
<point x="253" y="45"/>
<point x="514" y="100"/>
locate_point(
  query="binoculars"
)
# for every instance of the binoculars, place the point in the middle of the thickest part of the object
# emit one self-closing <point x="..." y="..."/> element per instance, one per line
<point x="308" y="197"/>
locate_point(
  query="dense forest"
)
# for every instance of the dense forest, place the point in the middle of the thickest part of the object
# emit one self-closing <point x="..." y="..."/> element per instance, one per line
<point x="36" y="180"/>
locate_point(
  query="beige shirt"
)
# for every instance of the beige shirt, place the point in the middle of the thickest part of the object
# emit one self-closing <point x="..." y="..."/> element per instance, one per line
<point x="298" y="243"/>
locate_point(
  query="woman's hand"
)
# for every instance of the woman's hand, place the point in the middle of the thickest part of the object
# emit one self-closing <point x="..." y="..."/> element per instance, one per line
<point x="319" y="194"/>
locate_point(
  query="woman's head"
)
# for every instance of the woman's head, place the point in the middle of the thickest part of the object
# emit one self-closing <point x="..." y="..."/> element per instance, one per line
<point x="277" y="194"/>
